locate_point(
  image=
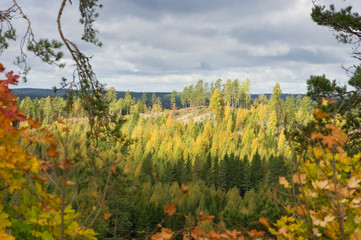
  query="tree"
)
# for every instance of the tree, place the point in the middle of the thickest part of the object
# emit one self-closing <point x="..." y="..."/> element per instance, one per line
<point x="154" y="99"/>
<point x="290" y="110"/>
<point x="228" y="92"/>
<point x="185" y="96"/>
<point x="200" y="93"/>
<point x="245" y="96"/>
<point x="128" y="101"/>
<point x="144" y="98"/>
<point x="173" y="99"/>
<point x="216" y="104"/>
<point x="235" y="92"/>
<point x="344" y="22"/>
<point x="328" y="149"/>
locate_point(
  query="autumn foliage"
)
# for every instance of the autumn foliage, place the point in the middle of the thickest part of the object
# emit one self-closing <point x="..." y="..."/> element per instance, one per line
<point x="39" y="214"/>
<point x="325" y="188"/>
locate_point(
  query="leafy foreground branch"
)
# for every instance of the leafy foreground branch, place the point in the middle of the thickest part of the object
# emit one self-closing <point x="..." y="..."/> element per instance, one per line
<point x="326" y="188"/>
<point x="38" y="214"/>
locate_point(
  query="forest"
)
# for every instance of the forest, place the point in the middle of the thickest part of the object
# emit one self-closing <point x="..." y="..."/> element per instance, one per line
<point x="230" y="159"/>
<point x="210" y="162"/>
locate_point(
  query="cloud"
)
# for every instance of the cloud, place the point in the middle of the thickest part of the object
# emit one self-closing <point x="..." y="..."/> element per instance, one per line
<point x="161" y="45"/>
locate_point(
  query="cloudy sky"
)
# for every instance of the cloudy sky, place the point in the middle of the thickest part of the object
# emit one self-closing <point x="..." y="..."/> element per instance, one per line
<point x="162" y="45"/>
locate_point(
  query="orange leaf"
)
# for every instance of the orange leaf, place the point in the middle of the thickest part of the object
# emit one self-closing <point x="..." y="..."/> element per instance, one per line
<point x="353" y="182"/>
<point x="113" y="169"/>
<point x="329" y="141"/>
<point x="232" y="234"/>
<point x="283" y="231"/>
<point x="331" y="101"/>
<point x="255" y="233"/>
<point x="214" y="235"/>
<point x="185" y="237"/>
<point x="165" y="234"/>
<point x="197" y="233"/>
<point x="45" y="166"/>
<point x="107" y="216"/>
<point x="51" y="151"/>
<point x="339" y="135"/>
<point x="34" y="124"/>
<point x="184" y="188"/>
<point x="296" y="178"/>
<point x="202" y="217"/>
<point x="316" y="135"/>
<point x="319" y="113"/>
<point x="170" y="209"/>
<point x="41" y="178"/>
<point x="94" y="194"/>
<point x="2" y="69"/>
<point x="283" y="181"/>
<point x="69" y="183"/>
<point x="264" y="221"/>
<point x="300" y="210"/>
<point x="44" y="207"/>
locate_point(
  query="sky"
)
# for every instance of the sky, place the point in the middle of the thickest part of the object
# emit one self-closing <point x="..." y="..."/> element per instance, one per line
<point x="165" y="45"/>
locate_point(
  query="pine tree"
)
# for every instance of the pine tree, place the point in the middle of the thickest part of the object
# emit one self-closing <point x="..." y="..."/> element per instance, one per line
<point x="154" y="99"/>
<point x="144" y="98"/>
<point x="257" y="173"/>
<point x="246" y="183"/>
<point x="276" y="168"/>
<point x="147" y="169"/>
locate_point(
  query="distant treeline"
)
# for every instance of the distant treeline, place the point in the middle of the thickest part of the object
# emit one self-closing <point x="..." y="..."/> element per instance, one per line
<point x="165" y="97"/>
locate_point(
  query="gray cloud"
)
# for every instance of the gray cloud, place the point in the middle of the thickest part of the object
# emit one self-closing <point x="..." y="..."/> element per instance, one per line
<point x="161" y="45"/>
